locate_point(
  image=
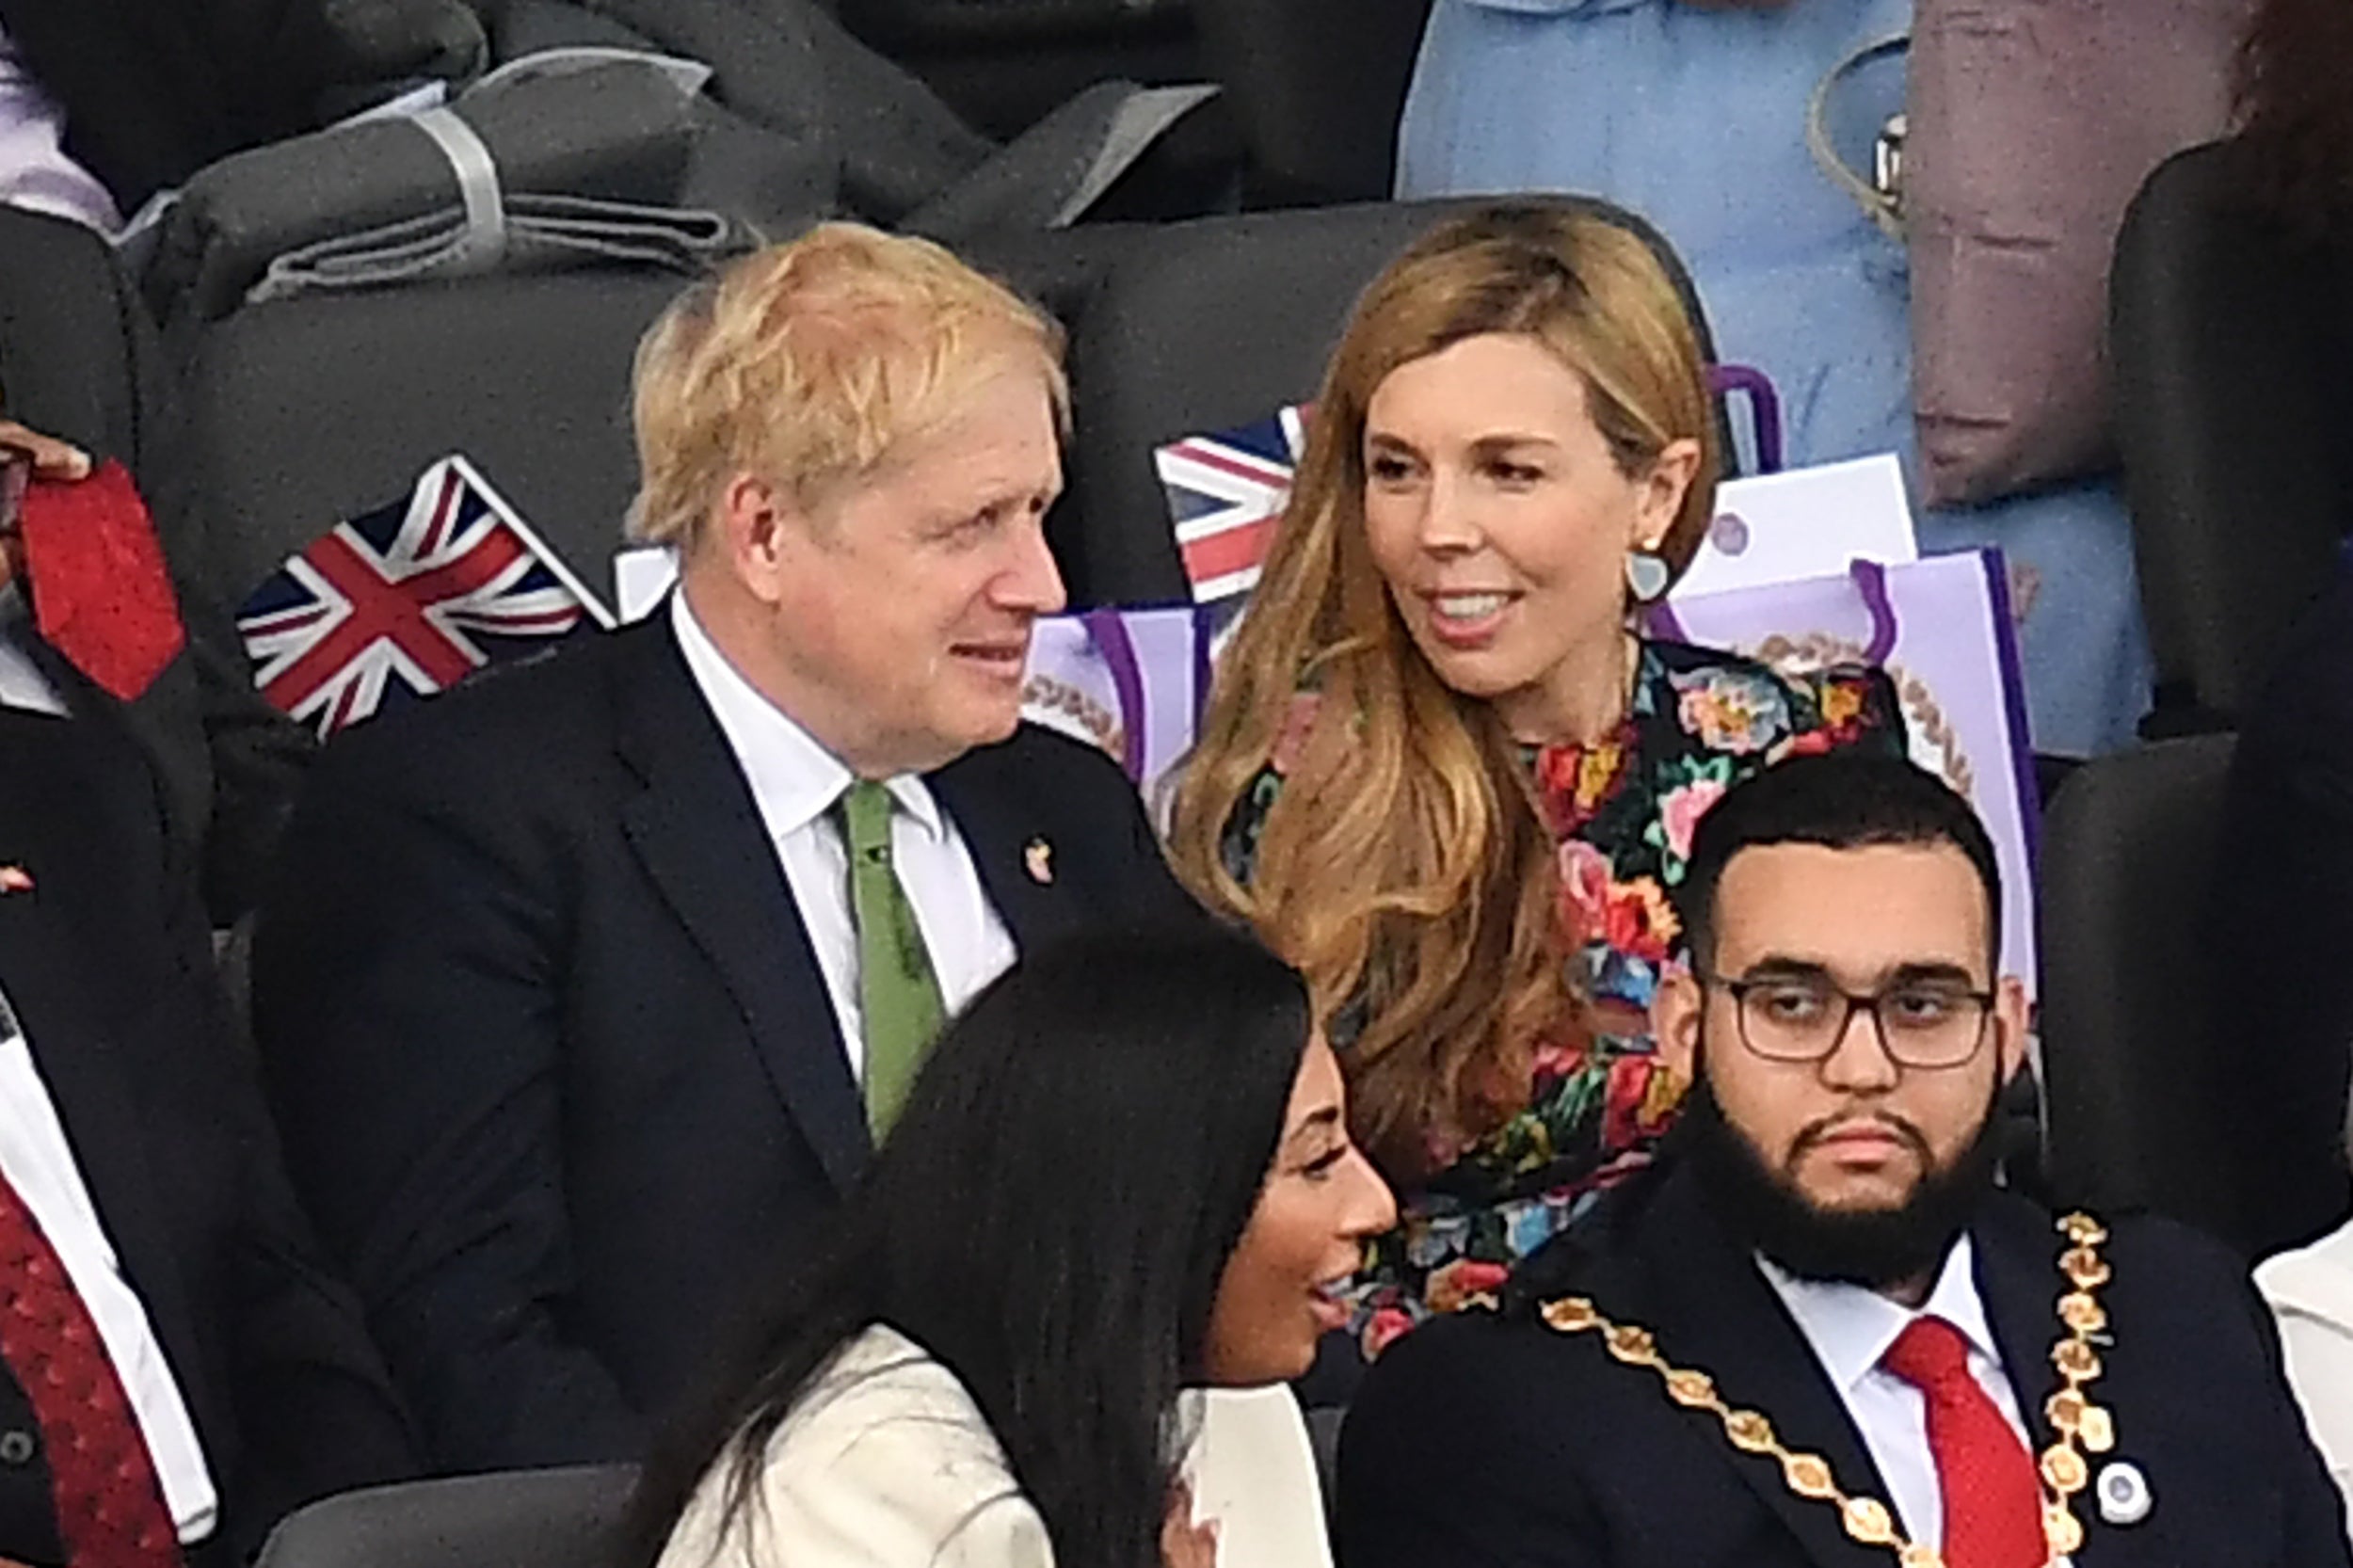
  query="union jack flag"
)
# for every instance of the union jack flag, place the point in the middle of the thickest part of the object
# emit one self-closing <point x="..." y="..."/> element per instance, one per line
<point x="407" y="601"/>
<point x="1225" y="493"/>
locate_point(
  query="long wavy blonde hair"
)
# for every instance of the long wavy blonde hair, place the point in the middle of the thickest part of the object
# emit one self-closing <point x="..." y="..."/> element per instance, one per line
<point x="1404" y="868"/>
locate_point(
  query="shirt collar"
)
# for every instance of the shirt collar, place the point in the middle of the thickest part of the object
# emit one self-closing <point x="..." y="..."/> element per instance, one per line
<point x="793" y="779"/>
<point x="1851" y="1327"/>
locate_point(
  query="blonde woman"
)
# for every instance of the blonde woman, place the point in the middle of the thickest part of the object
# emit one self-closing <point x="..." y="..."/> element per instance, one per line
<point x="1442" y="775"/>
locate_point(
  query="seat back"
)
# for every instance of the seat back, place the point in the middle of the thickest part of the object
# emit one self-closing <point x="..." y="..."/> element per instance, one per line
<point x="2130" y="1009"/>
<point x="1221" y="323"/>
<point x="79" y="360"/>
<point x="568" y="1518"/>
<point x="2228" y="341"/>
<point x="308" y="412"/>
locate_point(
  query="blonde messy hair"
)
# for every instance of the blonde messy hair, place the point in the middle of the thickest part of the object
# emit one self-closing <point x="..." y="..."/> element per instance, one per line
<point x="807" y="363"/>
<point x="1403" y="867"/>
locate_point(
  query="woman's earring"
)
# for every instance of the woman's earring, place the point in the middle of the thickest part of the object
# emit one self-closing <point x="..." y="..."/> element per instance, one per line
<point x="1646" y="575"/>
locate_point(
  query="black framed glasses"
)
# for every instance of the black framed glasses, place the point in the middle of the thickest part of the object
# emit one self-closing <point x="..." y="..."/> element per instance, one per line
<point x="1923" y="1024"/>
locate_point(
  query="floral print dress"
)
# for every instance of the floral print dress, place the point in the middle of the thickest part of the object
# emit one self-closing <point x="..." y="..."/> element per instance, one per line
<point x="1623" y="811"/>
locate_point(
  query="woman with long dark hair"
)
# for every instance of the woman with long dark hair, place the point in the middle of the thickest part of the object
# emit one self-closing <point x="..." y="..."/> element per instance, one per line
<point x="1125" y="1170"/>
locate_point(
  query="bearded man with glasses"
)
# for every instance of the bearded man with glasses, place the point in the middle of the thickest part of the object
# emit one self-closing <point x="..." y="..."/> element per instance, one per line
<point x="1818" y="1333"/>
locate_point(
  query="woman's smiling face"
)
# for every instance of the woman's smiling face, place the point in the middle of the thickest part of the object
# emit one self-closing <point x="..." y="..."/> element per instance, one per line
<point x="1500" y="518"/>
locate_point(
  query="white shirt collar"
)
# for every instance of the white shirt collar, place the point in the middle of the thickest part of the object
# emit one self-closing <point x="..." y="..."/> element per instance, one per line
<point x="1851" y="1326"/>
<point x="793" y="779"/>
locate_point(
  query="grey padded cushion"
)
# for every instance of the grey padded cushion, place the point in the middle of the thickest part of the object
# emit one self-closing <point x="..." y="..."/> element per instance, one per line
<point x="307" y="411"/>
<point x="567" y="1518"/>
<point x="1218" y="323"/>
<point x="2128" y="1015"/>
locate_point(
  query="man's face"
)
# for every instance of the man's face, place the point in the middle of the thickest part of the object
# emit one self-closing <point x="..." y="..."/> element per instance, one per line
<point x="900" y="608"/>
<point x="1853" y="1133"/>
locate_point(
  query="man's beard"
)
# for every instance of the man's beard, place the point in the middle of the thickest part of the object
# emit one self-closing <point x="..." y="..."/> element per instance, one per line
<point x="1762" y="1208"/>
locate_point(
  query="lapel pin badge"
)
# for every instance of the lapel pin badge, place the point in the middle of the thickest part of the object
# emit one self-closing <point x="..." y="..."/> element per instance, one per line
<point x="2123" y="1492"/>
<point x="15" y="879"/>
<point x="1038" y="855"/>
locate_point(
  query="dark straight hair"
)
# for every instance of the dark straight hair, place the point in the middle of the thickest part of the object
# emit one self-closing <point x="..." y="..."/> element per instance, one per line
<point x="1050" y="1218"/>
<point x="1839" y="800"/>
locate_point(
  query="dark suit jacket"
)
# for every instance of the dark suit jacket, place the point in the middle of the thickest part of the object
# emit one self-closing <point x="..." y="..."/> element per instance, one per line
<point x="558" y="1072"/>
<point x="79" y="360"/>
<point x="1485" y="1440"/>
<point x="106" y="965"/>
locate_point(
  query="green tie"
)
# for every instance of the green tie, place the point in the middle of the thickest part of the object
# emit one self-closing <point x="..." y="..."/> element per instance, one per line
<point x="897" y="992"/>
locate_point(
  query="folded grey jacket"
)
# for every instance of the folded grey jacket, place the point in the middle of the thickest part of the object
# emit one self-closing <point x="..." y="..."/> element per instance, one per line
<point x="603" y="146"/>
<point x="536" y="231"/>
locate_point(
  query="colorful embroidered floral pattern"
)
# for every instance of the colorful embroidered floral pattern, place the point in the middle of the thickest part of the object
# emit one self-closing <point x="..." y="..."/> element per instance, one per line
<point x="1732" y="711"/>
<point x="1624" y="810"/>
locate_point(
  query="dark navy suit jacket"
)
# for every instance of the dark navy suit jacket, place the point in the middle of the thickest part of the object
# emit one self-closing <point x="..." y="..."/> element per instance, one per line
<point x="1491" y="1441"/>
<point x="558" y="1070"/>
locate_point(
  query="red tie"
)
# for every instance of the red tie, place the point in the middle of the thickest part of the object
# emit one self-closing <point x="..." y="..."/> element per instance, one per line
<point x="101" y="595"/>
<point x="1992" y="1502"/>
<point x="110" y="1506"/>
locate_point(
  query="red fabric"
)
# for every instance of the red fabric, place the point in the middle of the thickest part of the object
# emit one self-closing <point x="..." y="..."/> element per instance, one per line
<point x="101" y="596"/>
<point x="110" y="1506"/>
<point x="1993" y="1501"/>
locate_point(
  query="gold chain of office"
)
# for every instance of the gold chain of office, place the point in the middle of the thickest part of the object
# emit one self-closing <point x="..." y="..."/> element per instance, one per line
<point x="2082" y="1427"/>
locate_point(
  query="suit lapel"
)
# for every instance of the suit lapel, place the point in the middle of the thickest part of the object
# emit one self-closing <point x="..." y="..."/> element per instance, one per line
<point x="1006" y="830"/>
<point x="2019" y="1281"/>
<point x="698" y="834"/>
<point x="73" y="1042"/>
<point x="1713" y="1312"/>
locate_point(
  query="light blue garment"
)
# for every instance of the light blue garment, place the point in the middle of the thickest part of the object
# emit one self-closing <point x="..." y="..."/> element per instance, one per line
<point x="1696" y="119"/>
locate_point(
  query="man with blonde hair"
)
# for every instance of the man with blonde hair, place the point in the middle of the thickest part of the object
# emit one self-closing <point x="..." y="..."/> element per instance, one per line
<point x="592" y="984"/>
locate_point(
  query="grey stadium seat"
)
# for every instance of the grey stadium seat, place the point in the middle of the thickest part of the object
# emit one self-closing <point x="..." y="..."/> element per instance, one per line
<point x="2131" y="1012"/>
<point x="307" y="411"/>
<point x="567" y="1518"/>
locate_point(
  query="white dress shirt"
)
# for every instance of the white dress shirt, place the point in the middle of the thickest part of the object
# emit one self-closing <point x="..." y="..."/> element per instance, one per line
<point x="795" y="781"/>
<point x="38" y="1160"/>
<point x="1850" y="1328"/>
<point x="23" y="682"/>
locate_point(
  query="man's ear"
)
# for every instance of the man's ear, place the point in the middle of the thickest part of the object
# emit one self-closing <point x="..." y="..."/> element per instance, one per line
<point x="1675" y="1009"/>
<point x="756" y="529"/>
<point x="2011" y="1014"/>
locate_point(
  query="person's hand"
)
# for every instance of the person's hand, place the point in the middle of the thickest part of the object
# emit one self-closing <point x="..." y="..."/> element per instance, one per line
<point x="27" y="452"/>
<point x="1184" y="1543"/>
<point x="49" y="458"/>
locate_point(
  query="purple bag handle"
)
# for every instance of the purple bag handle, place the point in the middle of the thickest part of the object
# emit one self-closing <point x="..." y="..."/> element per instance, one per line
<point x="1658" y="621"/>
<point x="1108" y="630"/>
<point x="1764" y="408"/>
<point x="1870" y="581"/>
